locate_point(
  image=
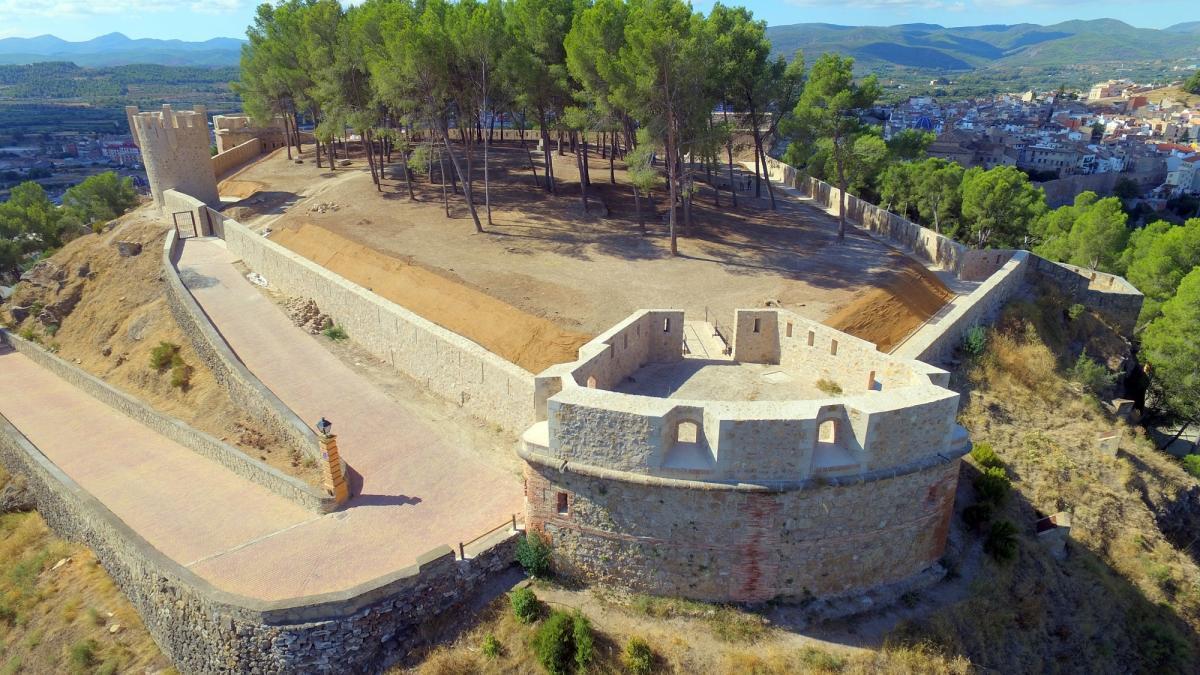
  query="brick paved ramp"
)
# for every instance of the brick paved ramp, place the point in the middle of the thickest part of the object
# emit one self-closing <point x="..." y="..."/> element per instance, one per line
<point x="412" y="491"/>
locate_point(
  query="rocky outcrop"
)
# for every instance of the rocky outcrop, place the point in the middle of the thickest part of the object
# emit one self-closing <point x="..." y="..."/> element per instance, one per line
<point x="15" y="496"/>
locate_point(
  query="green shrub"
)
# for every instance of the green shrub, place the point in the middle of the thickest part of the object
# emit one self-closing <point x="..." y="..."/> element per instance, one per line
<point x="992" y="485"/>
<point x="83" y="655"/>
<point x="1191" y="464"/>
<point x="335" y="333"/>
<point x="585" y="643"/>
<point x="534" y="554"/>
<point x="525" y="605"/>
<point x="974" y="340"/>
<point x="491" y="646"/>
<point x="829" y="387"/>
<point x="1075" y="311"/>
<point x="553" y="643"/>
<point x="52" y="329"/>
<point x="109" y="667"/>
<point x="822" y="661"/>
<point x="976" y="515"/>
<point x="162" y="356"/>
<point x="638" y="658"/>
<point x="1161" y="648"/>
<point x="181" y="372"/>
<point x="1092" y="376"/>
<point x="28" y="335"/>
<point x="1001" y="542"/>
<point x="985" y="456"/>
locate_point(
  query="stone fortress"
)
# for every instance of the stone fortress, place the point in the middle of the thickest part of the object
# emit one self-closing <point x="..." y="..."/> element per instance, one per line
<point x="787" y="460"/>
<point x="774" y="459"/>
<point x="684" y="471"/>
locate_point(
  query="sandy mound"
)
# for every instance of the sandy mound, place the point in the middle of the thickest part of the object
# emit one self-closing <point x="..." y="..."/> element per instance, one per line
<point x="888" y="313"/>
<point x="526" y="340"/>
<point x="238" y="189"/>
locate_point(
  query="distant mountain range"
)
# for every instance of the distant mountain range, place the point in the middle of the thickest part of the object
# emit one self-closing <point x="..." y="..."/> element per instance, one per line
<point x="115" y="49"/>
<point x="917" y="45"/>
<point x="933" y="47"/>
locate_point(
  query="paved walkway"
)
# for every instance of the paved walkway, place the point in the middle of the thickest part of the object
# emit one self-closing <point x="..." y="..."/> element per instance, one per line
<point x="412" y="491"/>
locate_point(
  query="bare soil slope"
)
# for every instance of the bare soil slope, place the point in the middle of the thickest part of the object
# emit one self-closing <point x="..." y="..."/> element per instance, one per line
<point x="888" y="313"/>
<point x="526" y="340"/>
<point x="105" y="313"/>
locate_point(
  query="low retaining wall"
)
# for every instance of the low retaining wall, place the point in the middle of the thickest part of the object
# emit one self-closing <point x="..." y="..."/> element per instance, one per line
<point x="1001" y="270"/>
<point x="246" y="390"/>
<point x="240" y="463"/>
<point x="445" y="363"/>
<point x="206" y="630"/>
<point x="236" y="156"/>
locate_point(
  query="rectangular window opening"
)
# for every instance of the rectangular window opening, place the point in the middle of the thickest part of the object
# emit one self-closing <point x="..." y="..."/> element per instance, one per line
<point x="562" y="503"/>
<point x="666" y="325"/>
<point x="833" y="347"/>
<point x="812" y="338"/>
<point x="789" y="329"/>
<point x="757" y="325"/>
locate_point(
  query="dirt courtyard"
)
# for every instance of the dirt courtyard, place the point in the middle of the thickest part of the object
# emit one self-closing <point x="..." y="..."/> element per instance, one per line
<point x="583" y="272"/>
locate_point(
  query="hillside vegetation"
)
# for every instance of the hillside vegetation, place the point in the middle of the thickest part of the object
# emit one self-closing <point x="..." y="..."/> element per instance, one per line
<point x="60" y="612"/>
<point x="930" y="46"/>
<point x="1126" y="598"/>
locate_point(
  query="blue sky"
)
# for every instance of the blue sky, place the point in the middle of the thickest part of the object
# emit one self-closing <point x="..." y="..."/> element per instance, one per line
<point x="202" y="19"/>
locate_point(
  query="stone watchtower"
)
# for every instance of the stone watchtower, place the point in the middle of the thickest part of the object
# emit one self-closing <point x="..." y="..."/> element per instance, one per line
<point x="175" y="149"/>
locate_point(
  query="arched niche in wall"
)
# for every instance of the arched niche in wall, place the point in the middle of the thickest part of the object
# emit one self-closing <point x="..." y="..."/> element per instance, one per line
<point x="686" y="448"/>
<point x="834" y="450"/>
<point x="591" y="382"/>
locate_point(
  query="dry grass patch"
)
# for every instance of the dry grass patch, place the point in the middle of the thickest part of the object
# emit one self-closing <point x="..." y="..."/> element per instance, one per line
<point x="58" y="607"/>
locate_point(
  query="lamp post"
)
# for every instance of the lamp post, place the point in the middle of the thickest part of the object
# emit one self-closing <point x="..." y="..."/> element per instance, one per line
<point x="331" y="463"/>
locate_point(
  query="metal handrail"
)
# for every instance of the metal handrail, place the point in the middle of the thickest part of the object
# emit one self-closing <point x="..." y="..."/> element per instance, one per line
<point x="462" y="545"/>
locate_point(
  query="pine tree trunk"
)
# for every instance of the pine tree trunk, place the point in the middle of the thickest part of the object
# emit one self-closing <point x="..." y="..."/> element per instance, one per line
<point x="465" y="180"/>
<point x="767" y="172"/>
<point x="487" y="192"/>
<point x="442" y="180"/>
<point x="637" y="204"/>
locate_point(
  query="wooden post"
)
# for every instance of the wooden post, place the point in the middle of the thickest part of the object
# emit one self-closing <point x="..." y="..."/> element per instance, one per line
<point x="331" y="467"/>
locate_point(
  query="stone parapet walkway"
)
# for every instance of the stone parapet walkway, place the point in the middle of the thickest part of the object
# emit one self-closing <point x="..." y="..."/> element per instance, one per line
<point x="411" y="491"/>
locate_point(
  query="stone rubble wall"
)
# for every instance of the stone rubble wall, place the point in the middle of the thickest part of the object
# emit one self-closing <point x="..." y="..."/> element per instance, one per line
<point x="1110" y="296"/>
<point x="223" y="162"/>
<point x="242" y="386"/>
<point x="254" y="470"/>
<point x="742" y="543"/>
<point x="445" y="363"/>
<point x="205" y="630"/>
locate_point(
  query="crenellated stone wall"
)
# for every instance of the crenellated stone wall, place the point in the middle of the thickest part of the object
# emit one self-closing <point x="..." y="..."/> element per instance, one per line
<point x="176" y="151"/>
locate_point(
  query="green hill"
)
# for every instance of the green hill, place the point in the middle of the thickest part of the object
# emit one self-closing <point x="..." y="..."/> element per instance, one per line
<point x="930" y="47"/>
